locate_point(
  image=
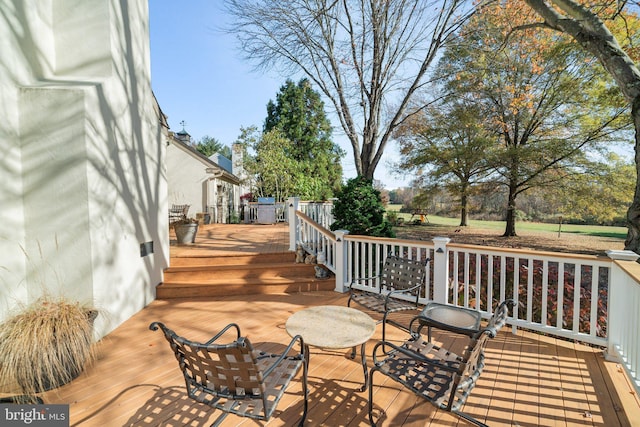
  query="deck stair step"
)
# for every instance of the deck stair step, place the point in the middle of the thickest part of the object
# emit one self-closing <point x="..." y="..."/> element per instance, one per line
<point x="222" y="275"/>
<point x="232" y="259"/>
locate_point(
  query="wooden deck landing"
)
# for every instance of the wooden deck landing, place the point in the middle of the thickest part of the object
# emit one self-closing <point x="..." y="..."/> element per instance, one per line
<point x="530" y="380"/>
<point x="235" y="239"/>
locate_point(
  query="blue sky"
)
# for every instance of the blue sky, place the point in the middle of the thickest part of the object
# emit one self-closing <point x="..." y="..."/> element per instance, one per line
<point x="199" y="76"/>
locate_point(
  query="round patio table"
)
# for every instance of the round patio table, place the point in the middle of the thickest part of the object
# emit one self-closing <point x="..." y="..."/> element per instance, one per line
<point x="333" y="327"/>
<point x="467" y="320"/>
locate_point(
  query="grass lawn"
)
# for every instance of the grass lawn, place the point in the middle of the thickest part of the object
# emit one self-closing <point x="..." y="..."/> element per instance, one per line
<point x="589" y="230"/>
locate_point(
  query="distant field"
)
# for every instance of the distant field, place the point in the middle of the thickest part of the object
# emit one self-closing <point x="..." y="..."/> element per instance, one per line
<point x="590" y="230"/>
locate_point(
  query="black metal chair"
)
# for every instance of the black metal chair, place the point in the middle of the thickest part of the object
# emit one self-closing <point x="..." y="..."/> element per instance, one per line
<point x="401" y="283"/>
<point x="234" y="377"/>
<point x="434" y="373"/>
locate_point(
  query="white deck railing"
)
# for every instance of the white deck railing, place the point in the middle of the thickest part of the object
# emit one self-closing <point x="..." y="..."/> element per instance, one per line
<point x="560" y="294"/>
<point x="315" y="239"/>
<point x="580" y="297"/>
<point x="320" y="212"/>
<point x="623" y="319"/>
<point x="250" y="212"/>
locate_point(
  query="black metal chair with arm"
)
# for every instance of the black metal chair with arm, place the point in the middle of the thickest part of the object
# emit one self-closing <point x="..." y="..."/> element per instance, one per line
<point x="401" y="283"/>
<point x="234" y="377"/>
<point x="436" y="374"/>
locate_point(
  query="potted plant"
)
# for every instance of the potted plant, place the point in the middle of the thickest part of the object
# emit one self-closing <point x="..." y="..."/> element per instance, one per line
<point x="44" y="346"/>
<point x="186" y="230"/>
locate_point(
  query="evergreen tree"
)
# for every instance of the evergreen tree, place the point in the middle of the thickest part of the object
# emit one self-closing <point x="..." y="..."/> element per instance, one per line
<point x="269" y="160"/>
<point x="208" y="146"/>
<point x="298" y="114"/>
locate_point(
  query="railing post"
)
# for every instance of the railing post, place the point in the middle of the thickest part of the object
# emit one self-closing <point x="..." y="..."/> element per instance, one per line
<point x="618" y="301"/>
<point x="441" y="269"/>
<point x="341" y="261"/>
<point x="292" y="206"/>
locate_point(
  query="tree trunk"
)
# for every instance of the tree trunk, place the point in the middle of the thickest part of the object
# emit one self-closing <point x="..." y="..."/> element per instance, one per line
<point x="510" y="229"/>
<point x="464" y="202"/>
<point x="367" y="157"/>
<point x="632" y="242"/>
<point x="592" y="34"/>
<point x="368" y="171"/>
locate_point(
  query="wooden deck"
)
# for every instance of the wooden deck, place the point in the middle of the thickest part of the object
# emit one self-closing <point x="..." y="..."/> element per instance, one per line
<point x="236" y="239"/>
<point x="529" y="379"/>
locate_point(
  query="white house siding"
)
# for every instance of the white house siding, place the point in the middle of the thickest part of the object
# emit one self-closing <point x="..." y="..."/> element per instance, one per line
<point x="198" y="181"/>
<point x="188" y="179"/>
<point x="82" y="171"/>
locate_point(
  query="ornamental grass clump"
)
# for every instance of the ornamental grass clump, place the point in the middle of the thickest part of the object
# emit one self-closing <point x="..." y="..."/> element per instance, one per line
<point x="45" y="346"/>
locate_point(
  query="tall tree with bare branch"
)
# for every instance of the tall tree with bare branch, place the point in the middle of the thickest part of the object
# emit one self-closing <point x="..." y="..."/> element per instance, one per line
<point x="368" y="57"/>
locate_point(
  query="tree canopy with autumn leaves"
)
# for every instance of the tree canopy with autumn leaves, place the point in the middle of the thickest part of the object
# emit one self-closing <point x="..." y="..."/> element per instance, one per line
<point x="538" y="105"/>
<point x="609" y="32"/>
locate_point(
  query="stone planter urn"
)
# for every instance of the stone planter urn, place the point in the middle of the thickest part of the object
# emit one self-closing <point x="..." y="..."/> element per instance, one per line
<point x="186" y="233"/>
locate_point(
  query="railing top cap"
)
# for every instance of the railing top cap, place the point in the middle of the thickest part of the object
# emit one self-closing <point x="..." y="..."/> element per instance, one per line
<point x="441" y="239"/>
<point x="623" y="255"/>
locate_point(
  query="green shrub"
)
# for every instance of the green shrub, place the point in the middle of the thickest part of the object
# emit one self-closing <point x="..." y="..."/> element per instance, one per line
<point x="359" y="209"/>
<point x="392" y="217"/>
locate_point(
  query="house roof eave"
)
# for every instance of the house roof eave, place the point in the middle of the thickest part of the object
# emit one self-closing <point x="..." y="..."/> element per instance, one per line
<point x="212" y="167"/>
